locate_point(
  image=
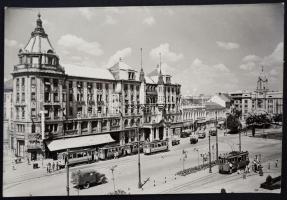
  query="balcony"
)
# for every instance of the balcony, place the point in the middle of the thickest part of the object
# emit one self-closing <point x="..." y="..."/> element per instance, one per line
<point x="91" y="102"/>
<point x="81" y="103"/>
<point x="100" y="103"/>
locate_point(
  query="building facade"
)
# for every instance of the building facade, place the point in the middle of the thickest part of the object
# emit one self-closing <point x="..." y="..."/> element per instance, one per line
<point x="55" y="104"/>
<point x="261" y="100"/>
<point x="8" y="113"/>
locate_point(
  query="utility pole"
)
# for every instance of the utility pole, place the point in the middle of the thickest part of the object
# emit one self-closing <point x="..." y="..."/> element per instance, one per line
<point x="239" y="141"/>
<point x="139" y="160"/>
<point x="67" y="167"/>
<point x="216" y="136"/>
<point x="112" y="169"/>
<point x="209" y="153"/>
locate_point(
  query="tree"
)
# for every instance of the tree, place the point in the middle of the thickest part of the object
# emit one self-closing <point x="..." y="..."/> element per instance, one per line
<point x="278" y="118"/>
<point x="259" y="120"/>
<point x="233" y="123"/>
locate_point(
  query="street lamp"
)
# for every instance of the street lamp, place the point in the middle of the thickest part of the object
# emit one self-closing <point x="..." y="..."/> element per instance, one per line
<point x="112" y="169"/>
<point x="209" y="153"/>
<point x="196" y="149"/>
<point x="67" y="168"/>
<point x="216" y="137"/>
<point x="139" y="161"/>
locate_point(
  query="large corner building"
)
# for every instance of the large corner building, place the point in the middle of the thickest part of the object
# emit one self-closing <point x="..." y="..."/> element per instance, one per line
<point x="58" y="107"/>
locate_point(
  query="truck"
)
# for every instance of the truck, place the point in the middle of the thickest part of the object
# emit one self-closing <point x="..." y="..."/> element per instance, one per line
<point x="175" y="140"/>
<point x="86" y="178"/>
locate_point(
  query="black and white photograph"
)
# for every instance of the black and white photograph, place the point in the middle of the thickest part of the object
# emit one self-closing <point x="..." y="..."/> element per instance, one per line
<point x="175" y="99"/>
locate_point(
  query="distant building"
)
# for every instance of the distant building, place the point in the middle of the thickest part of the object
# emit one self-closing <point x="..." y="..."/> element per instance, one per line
<point x="54" y="104"/>
<point x="222" y="99"/>
<point x="261" y="100"/>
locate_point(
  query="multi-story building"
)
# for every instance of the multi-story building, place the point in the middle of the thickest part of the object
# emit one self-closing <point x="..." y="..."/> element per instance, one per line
<point x="260" y="100"/>
<point x="198" y="113"/>
<point x="64" y="107"/>
<point x="8" y="112"/>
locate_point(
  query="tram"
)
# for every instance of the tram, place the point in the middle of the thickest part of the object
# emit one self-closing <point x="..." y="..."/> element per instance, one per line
<point x="115" y="151"/>
<point x="233" y="161"/>
<point x="155" y="146"/>
<point x="77" y="157"/>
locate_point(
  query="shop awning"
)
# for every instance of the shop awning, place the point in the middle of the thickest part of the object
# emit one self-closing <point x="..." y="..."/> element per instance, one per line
<point x="76" y="142"/>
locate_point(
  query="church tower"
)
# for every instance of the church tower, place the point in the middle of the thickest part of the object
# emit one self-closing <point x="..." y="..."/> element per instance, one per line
<point x="262" y="82"/>
<point x="160" y="89"/>
<point x="143" y="84"/>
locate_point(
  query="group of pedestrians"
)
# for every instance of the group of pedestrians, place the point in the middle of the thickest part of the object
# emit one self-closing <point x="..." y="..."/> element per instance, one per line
<point x="51" y="167"/>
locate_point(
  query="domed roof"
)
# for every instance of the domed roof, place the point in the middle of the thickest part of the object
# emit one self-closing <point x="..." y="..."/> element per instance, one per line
<point x="39" y="41"/>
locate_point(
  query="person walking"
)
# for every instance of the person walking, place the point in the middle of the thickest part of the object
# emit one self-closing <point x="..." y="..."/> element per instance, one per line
<point x="47" y="167"/>
<point x="57" y="165"/>
<point x="276" y="163"/>
<point x="53" y="166"/>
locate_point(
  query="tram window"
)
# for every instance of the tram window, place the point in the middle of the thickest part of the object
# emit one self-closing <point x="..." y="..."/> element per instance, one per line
<point x="159" y="144"/>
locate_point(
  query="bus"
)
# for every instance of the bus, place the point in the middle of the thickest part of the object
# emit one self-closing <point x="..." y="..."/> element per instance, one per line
<point x="155" y="146"/>
<point x="233" y="161"/>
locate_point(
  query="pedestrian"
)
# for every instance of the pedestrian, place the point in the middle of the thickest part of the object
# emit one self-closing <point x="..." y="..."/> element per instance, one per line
<point x="57" y="165"/>
<point x="48" y="168"/>
<point x="276" y="163"/>
<point x="115" y="155"/>
<point x="53" y="166"/>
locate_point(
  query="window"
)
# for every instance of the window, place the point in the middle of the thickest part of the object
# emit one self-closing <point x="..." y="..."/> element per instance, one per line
<point x="23" y="82"/>
<point x="114" y="87"/>
<point x="33" y="96"/>
<point x="55" y="82"/>
<point x="33" y="81"/>
<point x="99" y="86"/>
<point x="33" y="112"/>
<point x="70" y="97"/>
<point x="64" y="97"/>
<point x="23" y="97"/>
<point x="17" y="113"/>
<point x="56" y="97"/>
<point x="245" y="101"/>
<point x="71" y="111"/>
<point x="18" y="97"/>
<point x="107" y="86"/>
<point x="70" y="84"/>
<point x="23" y="113"/>
<point x="33" y="128"/>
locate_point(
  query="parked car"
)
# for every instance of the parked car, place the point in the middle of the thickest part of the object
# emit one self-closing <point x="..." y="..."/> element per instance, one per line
<point x="185" y="133"/>
<point x="193" y="139"/>
<point x="86" y="178"/>
<point x="212" y="131"/>
<point x="201" y="134"/>
<point x="175" y="140"/>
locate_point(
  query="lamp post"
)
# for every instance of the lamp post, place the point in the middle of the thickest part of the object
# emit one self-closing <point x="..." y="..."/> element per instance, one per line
<point x="112" y="170"/>
<point x="67" y="168"/>
<point x="139" y="160"/>
<point x="196" y="149"/>
<point x="216" y="136"/>
<point x="209" y="153"/>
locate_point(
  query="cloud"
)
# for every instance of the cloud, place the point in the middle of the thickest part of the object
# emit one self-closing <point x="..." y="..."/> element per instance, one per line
<point x="86" y="12"/>
<point x="11" y="43"/>
<point x="110" y="20"/>
<point x="166" y="54"/>
<point x="227" y="45"/>
<point x="149" y="21"/>
<point x="274" y="72"/>
<point x="208" y="79"/>
<point x="221" y="67"/>
<point x="251" y="58"/>
<point x="123" y="53"/>
<point x="275" y="59"/>
<point x="72" y="42"/>
<point x="248" y="66"/>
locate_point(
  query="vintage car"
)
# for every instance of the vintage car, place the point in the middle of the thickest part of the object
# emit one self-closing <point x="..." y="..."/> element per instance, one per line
<point x="212" y="131"/>
<point x="201" y="134"/>
<point x="86" y="178"/>
<point x="193" y="139"/>
<point x="185" y="133"/>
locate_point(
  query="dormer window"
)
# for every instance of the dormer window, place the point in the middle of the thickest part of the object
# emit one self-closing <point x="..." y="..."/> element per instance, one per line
<point x="167" y="79"/>
<point x="131" y="75"/>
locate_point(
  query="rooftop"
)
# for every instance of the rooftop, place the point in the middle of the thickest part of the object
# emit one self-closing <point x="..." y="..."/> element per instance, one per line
<point x="88" y="72"/>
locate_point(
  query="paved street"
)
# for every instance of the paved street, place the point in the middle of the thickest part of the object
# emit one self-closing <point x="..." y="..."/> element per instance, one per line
<point x="158" y="167"/>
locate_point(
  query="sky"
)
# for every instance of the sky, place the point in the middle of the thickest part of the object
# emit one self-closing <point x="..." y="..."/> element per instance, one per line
<point x="207" y="49"/>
